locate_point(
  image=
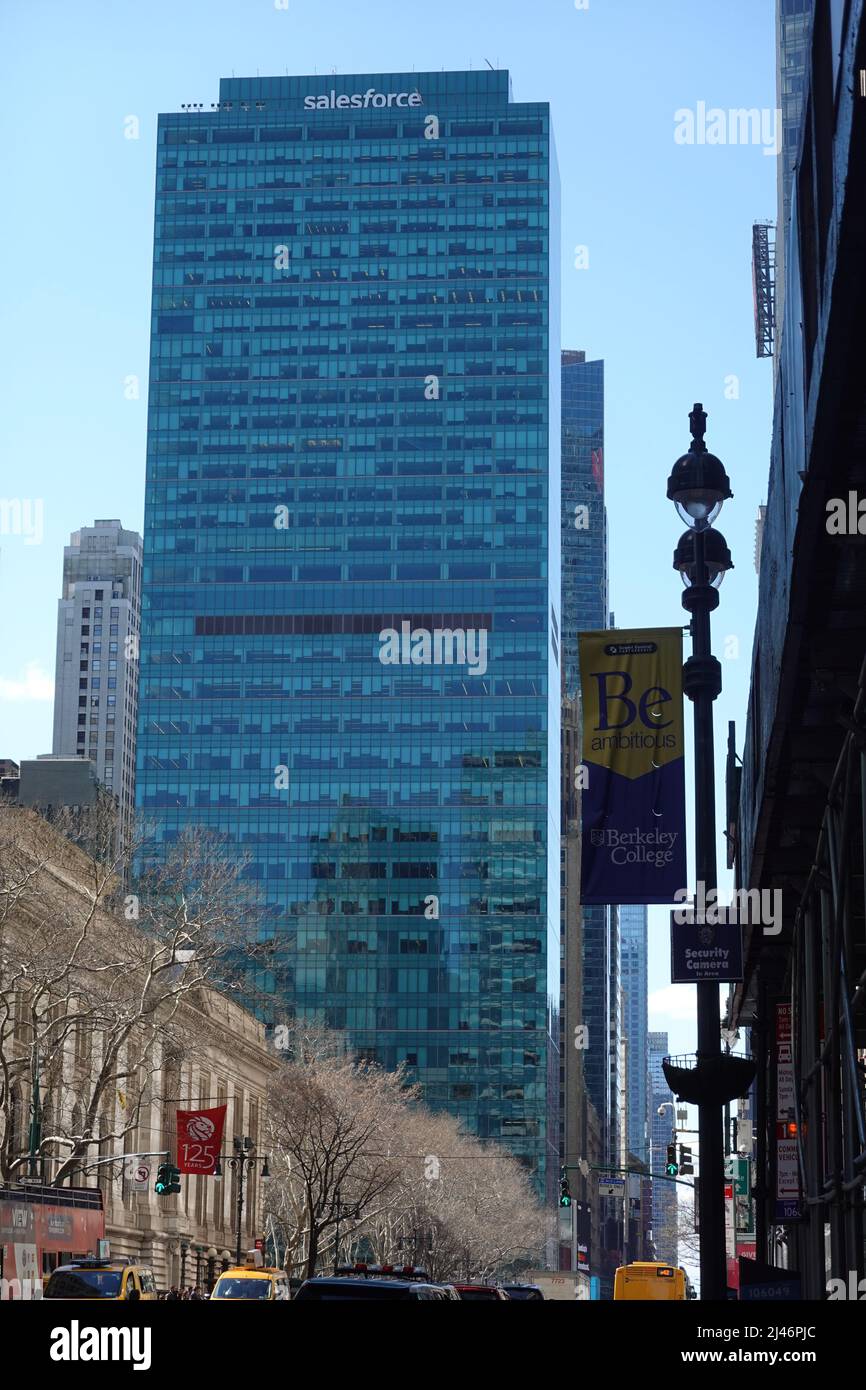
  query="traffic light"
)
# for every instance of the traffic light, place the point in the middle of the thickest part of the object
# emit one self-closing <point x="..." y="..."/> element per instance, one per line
<point x="686" y="1165"/>
<point x="564" y="1189"/>
<point x="672" y="1167"/>
<point x="167" y="1180"/>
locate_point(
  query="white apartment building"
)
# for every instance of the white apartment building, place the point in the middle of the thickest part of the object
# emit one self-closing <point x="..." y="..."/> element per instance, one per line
<point x="98" y="626"/>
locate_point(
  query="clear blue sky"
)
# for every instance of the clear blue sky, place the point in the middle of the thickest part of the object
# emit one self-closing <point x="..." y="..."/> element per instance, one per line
<point x="666" y="300"/>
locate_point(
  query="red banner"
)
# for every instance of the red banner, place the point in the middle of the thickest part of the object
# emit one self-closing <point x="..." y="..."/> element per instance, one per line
<point x="199" y="1139"/>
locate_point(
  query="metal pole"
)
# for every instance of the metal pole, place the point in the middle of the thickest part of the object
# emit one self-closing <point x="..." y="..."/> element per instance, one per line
<point x="240" y="1160"/>
<point x="35" y="1115"/>
<point x="337" y="1207"/>
<point x="711" y="1187"/>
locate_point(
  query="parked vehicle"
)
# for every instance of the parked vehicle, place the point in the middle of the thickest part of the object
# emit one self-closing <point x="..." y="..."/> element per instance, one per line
<point x="104" y="1279"/>
<point x="476" y="1293"/>
<point x="361" y="1288"/>
<point x="252" y="1283"/>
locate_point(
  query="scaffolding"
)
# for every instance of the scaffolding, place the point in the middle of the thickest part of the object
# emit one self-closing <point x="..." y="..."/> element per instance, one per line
<point x="827" y="980"/>
<point x="764" y="286"/>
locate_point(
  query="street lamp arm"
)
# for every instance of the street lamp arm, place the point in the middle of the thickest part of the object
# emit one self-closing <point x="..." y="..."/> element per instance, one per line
<point x="638" y="1173"/>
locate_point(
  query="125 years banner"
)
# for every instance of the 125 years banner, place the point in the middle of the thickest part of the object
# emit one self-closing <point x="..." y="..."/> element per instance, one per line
<point x="633" y="776"/>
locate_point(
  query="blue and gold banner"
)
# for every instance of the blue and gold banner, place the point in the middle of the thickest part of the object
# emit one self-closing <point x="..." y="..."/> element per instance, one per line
<point x="633" y="772"/>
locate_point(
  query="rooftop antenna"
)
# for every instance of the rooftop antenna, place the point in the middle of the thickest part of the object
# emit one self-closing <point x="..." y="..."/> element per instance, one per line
<point x="489" y="64"/>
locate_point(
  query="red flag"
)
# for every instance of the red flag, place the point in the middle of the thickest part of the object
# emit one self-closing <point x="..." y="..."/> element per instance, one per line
<point x="199" y="1139"/>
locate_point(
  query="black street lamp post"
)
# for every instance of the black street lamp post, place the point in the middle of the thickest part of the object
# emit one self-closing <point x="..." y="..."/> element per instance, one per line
<point x="341" y="1209"/>
<point x="698" y="486"/>
<point x="239" y="1160"/>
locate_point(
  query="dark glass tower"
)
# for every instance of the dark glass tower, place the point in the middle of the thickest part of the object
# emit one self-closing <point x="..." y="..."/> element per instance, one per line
<point x="585" y="608"/>
<point x="351" y="583"/>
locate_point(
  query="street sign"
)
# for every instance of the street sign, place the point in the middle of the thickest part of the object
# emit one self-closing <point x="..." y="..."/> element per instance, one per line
<point x="737" y="1172"/>
<point x="702" y="950"/>
<point x="730" y="1234"/>
<point x="611" y="1187"/>
<point x="788" y="1205"/>
<point x="139" y="1175"/>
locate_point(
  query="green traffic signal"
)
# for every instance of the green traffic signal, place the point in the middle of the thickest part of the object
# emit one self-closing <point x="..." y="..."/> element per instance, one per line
<point x="167" y="1180"/>
<point x="672" y="1170"/>
<point x="564" y="1190"/>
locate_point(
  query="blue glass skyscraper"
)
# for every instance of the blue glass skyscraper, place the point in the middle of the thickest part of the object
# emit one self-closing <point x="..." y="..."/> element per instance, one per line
<point x="350" y="648"/>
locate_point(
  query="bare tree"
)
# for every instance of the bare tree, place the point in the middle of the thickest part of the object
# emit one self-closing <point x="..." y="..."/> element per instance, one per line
<point x="93" y="981"/>
<point x="326" y="1116"/>
<point x="353" y="1145"/>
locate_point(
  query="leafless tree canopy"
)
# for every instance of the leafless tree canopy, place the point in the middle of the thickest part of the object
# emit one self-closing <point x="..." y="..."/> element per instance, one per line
<point x="94" y="981"/>
<point x="352" y="1147"/>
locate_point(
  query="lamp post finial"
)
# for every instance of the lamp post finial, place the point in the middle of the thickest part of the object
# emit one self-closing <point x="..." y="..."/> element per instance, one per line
<point x="698" y="424"/>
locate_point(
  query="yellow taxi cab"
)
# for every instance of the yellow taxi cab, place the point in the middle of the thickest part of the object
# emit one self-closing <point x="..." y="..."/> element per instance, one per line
<point x="103" y="1279"/>
<point x="252" y="1281"/>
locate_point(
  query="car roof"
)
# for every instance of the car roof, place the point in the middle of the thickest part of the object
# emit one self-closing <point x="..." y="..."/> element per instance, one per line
<point x="362" y="1279"/>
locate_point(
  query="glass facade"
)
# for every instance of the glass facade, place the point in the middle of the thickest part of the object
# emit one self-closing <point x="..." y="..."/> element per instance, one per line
<point x="585" y="602"/>
<point x="663" y="1125"/>
<point x="585" y="608"/>
<point x="635" y="968"/>
<point x="793" y="26"/>
<point x="350" y="647"/>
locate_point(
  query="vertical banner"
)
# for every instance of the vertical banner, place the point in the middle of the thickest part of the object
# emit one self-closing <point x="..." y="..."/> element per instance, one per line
<point x="199" y="1139"/>
<point x="633" y="774"/>
<point x="788" y="1195"/>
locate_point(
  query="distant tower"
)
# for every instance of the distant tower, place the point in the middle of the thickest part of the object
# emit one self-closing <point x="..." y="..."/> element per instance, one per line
<point x="793" y="25"/>
<point x="663" y="1125"/>
<point x="96" y="689"/>
<point x="633" y="950"/>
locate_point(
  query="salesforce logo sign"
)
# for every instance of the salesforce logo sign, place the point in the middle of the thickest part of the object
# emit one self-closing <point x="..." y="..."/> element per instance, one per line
<point x="330" y="101"/>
